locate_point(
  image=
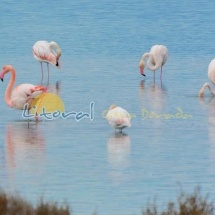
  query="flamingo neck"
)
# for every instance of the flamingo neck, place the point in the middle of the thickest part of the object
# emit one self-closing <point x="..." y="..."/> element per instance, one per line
<point x="149" y="62"/>
<point x="55" y="46"/>
<point x="10" y="86"/>
<point x="145" y="55"/>
<point x="206" y="85"/>
<point x="153" y="67"/>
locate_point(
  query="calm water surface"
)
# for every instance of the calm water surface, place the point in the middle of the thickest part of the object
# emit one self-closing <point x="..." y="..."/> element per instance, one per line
<point x="85" y="163"/>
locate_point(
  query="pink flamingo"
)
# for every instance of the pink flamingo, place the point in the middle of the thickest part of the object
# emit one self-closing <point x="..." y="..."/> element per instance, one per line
<point x="211" y="76"/>
<point x="158" y="56"/>
<point x="22" y="94"/>
<point x="118" y="117"/>
<point x="43" y="51"/>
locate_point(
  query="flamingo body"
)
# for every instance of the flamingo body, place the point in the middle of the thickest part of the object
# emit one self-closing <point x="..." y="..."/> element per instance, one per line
<point x="211" y="71"/>
<point x="20" y="95"/>
<point x="211" y="76"/>
<point x="48" y="52"/>
<point x="157" y="57"/>
<point x="43" y="51"/>
<point x="118" y="117"/>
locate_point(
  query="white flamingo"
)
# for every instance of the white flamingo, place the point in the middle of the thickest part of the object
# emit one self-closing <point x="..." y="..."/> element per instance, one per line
<point x="211" y="76"/>
<point x="48" y="52"/>
<point x="118" y="117"/>
<point x="158" y="56"/>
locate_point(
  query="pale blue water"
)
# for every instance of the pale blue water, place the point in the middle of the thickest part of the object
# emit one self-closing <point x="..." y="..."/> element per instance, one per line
<point x="84" y="163"/>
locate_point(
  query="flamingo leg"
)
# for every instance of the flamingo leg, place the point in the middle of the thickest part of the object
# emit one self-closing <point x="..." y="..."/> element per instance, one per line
<point x="36" y="117"/>
<point x="154" y="76"/>
<point x="161" y="76"/>
<point x="42" y="72"/>
<point x="161" y="73"/>
<point x="48" y="71"/>
<point x="28" y="119"/>
<point x="58" y="87"/>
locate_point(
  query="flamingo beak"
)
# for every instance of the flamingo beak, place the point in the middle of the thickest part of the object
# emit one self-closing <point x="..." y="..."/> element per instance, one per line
<point x="58" y="64"/>
<point x="2" y="79"/>
<point x="142" y="71"/>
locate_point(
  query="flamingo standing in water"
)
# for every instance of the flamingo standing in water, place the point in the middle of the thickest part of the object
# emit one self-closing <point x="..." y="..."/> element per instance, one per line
<point x="211" y="76"/>
<point x="118" y="117"/>
<point x="158" y="56"/>
<point x="22" y="94"/>
<point x="43" y="51"/>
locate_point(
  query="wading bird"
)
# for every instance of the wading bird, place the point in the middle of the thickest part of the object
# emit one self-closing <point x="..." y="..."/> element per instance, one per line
<point x="211" y="76"/>
<point x="118" y="117"/>
<point x="22" y="94"/>
<point x="157" y="57"/>
<point x="48" y="52"/>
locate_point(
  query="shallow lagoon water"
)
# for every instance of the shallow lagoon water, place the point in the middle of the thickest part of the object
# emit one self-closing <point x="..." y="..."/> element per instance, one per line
<point x="85" y="163"/>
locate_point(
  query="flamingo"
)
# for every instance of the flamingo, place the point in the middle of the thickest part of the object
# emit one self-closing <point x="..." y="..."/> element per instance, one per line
<point x="48" y="52"/>
<point x="211" y="76"/>
<point x="158" y="56"/>
<point x="118" y="117"/>
<point x="22" y="94"/>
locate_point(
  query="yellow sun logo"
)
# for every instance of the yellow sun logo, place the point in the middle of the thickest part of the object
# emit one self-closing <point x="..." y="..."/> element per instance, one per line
<point x="48" y="102"/>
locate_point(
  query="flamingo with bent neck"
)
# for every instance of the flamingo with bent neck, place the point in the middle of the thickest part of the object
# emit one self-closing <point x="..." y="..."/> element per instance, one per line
<point x="22" y="94"/>
<point x="158" y="56"/>
<point x="48" y="52"/>
<point x="118" y="117"/>
<point x="211" y="76"/>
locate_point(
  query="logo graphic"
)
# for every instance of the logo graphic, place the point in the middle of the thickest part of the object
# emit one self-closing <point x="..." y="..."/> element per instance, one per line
<point x="50" y="106"/>
<point x="48" y="101"/>
<point x="146" y="114"/>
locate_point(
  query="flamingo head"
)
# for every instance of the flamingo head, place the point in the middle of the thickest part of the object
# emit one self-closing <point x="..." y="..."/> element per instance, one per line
<point x="58" y="63"/>
<point x="5" y="69"/>
<point x="201" y="93"/>
<point x="57" y="51"/>
<point x="112" y="106"/>
<point x="141" y="67"/>
<point x="2" y="76"/>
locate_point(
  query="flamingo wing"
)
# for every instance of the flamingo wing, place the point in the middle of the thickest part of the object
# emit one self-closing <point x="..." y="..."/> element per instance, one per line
<point x="118" y="118"/>
<point x="160" y="54"/>
<point x="25" y="93"/>
<point x="211" y="71"/>
<point x="43" y="53"/>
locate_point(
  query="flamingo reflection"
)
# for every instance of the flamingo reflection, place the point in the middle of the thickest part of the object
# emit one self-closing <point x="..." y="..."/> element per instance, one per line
<point x="54" y="88"/>
<point x="118" y="147"/>
<point x="152" y="98"/>
<point x="25" y="148"/>
<point x="208" y="105"/>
